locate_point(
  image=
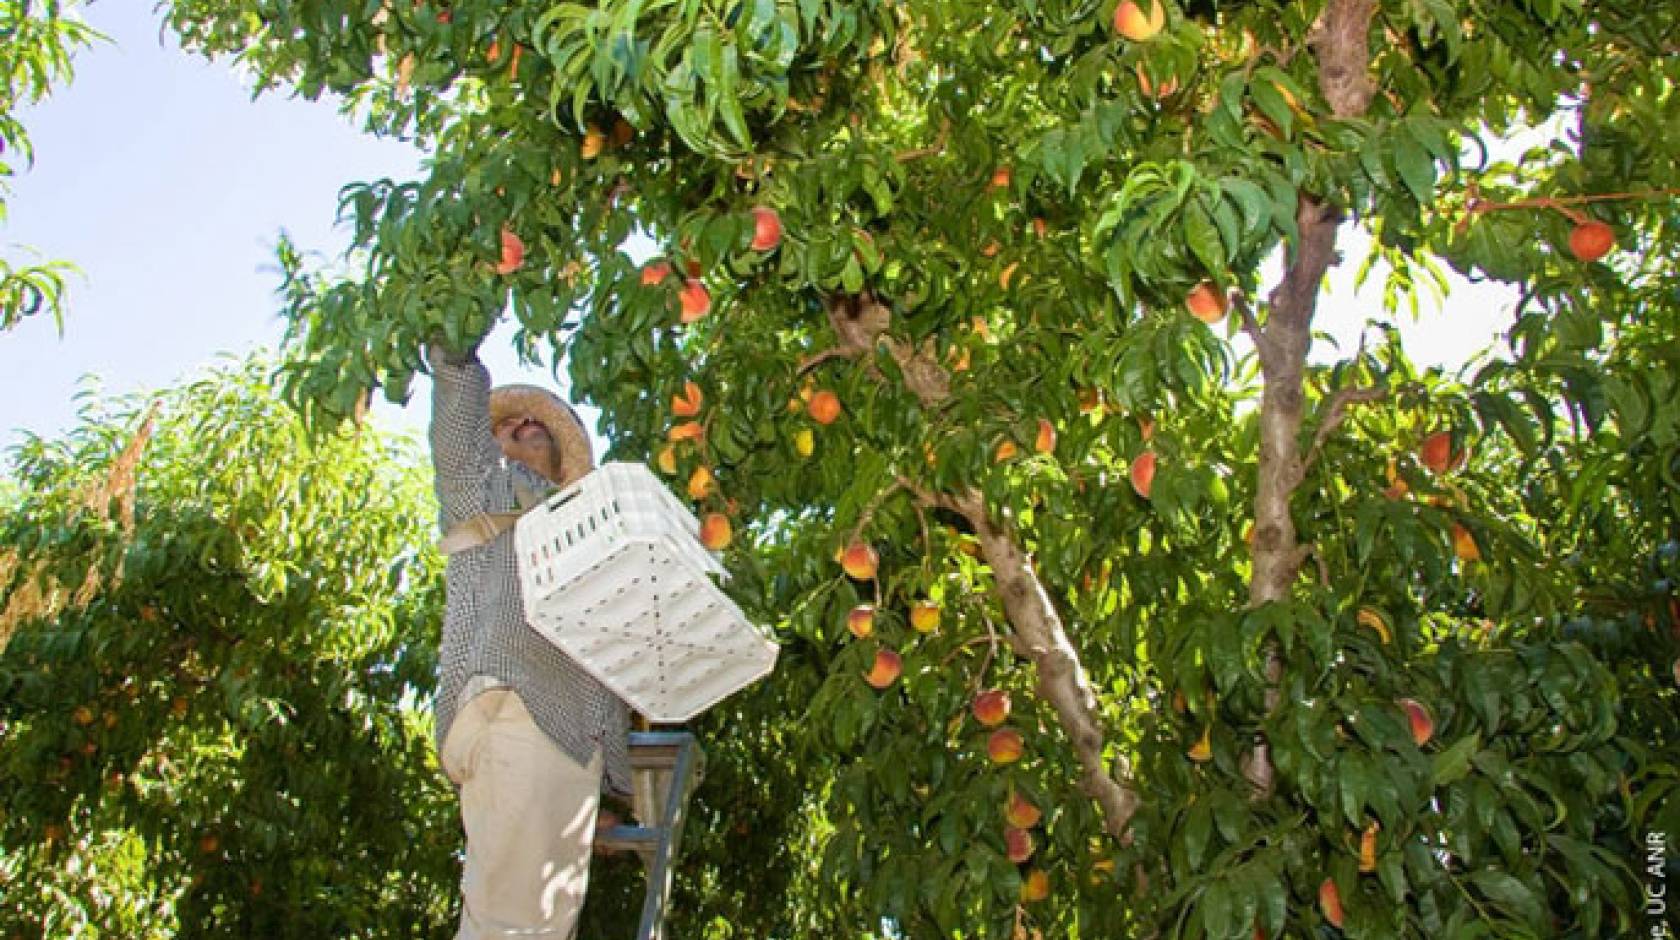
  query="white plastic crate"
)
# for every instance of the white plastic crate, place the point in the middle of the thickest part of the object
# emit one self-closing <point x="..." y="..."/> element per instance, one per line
<point x="612" y="572"/>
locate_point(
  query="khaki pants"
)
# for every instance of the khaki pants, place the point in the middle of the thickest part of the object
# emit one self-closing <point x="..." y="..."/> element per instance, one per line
<point x="529" y="812"/>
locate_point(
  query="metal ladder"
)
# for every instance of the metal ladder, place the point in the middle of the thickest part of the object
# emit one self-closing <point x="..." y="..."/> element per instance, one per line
<point x="665" y="767"/>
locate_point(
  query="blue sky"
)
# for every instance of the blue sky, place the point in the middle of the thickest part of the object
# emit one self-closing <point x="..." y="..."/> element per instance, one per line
<point x="167" y="184"/>
<point x="158" y="175"/>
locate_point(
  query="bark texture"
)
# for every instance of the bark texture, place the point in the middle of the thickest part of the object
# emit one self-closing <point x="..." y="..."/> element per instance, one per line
<point x="1040" y="636"/>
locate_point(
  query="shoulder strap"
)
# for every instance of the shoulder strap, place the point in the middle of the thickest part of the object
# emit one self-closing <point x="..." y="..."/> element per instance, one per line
<point x="485" y="526"/>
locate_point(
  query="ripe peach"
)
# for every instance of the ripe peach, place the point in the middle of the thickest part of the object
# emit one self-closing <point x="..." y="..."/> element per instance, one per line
<point x="861" y="620"/>
<point x="859" y="561"/>
<point x="824" y="407"/>
<point x="1005" y="746"/>
<point x="715" y="531"/>
<point x="1000" y="177"/>
<point x="1590" y="241"/>
<point x="1018" y="844"/>
<point x="1330" y="902"/>
<point x="888" y="665"/>
<point x="1035" y="887"/>
<point x="1423" y="726"/>
<point x="513" y="253"/>
<point x="701" y="483"/>
<point x="594" y="141"/>
<point x="687" y="405"/>
<point x="1206" y="303"/>
<point x="1464" y="544"/>
<point x="924" y="617"/>
<point x="667" y="460"/>
<point x="1131" y="22"/>
<point x="1021" y="813"/>
<point x="767" y="229"/>
<point x="991" y="707"/>
<point x="1006" y="451"/>
<point x="655" y="273"/>
<point x="686" y="431"/>
<point x="696" y="300"/>
<point x="1436" y="452"/>
<point x="1368" y="848"/>
<point x="1045" y="442"/>
<point x="1143" y="473"/>
<point x="1202" y="751"/>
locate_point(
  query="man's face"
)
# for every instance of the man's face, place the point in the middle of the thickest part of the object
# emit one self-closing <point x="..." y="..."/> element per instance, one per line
<point x="525" y="439"/>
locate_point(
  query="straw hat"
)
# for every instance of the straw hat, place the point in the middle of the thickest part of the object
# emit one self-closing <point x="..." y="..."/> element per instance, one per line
<point x="576" y="459"/>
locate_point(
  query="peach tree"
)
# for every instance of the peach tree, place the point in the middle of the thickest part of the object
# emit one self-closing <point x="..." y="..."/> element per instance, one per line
<point x="214" y="635"/>
<point x="998" y="319"/>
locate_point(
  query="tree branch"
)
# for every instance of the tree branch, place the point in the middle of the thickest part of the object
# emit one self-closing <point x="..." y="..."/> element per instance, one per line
<point x="1335" y="414"/>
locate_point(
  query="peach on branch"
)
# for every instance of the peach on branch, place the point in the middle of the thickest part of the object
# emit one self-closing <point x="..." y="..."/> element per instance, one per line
<point x="767" y="229"/>
<point x="888" y="664"/>
<point x="1206" y="303"/>
<point x="701" y="483"/>
<point x="991" y="707"/>
<point x="1436" y="452"/>
<point x="696" y="300"/>
<point x="687" y="404"/>
<point x="513" y="253"/>
<point x="1143" y="473"/>
<point x="824" y="407"/>
<point x="861" y="620"/>
<point x="1368" y="848"/>
<point x="1132" y="22"/>
<point x="859" y="561"/>
<point x="924" y="617"/>
<point x="1018" y="844"/>
<point x="1202" y="751"/>
<point x="667" y="460"/>
<point x="1035" y="886"/>
<point x="1005" y="746"/>
<point x="1330" y="902"/>
<point x="1021" y="813"/>
<point x="1464" y="544"/>
<point x="1591" y="240"/>
<point x="716" y="532"/>
<point x="654" y="273"/>
<point x="594" y="142"/>
<point x="1045" y="442"/>
<point x="1422" y="724"/>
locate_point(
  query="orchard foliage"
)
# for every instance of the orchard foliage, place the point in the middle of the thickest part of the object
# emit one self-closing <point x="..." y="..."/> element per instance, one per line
<point x="38" y="39"/>
<point x="1274" y="670"/>
<point x="217" y="639"/>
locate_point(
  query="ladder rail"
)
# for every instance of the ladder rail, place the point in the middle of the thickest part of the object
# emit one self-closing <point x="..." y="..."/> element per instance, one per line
<point x="675" y="756"/>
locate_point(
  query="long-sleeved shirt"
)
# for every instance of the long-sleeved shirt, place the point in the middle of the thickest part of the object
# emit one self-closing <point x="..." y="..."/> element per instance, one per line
<point x="484" y="628"/>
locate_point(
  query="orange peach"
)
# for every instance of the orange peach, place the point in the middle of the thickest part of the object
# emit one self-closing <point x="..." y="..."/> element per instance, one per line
<point x="1133" y="23"/>
<point x="767" y="229"/>
<point x="1005" y="746"/>
<point x="715" y="531"/>
<point x="1021" y="812"/>
<point x="1018" y="844"/>
<point x="696" y="300"/>
<point x="859" y="561"/>
<point x="825" y="407"/>
<point x="1206" y="303"/>
<point x="1143" y="473"/>
<point x="1590" y="241"/>
<point x="1423" y="725"/>
<point x="885" y="670"/>
<point x="924" y="618"/>
<point x="991" y="707"/>
<point x="861" y="620"/>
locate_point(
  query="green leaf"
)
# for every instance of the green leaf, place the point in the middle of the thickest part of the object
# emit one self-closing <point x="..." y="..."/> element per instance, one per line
<point x="1451" y="765"/>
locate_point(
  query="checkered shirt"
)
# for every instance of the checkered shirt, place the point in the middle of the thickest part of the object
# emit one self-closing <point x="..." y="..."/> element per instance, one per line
<point x="485" y="633"/>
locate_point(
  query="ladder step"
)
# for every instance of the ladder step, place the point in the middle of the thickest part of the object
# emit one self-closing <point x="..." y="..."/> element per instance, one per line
<point x="655" y="750"/>
<point x="629" y="839"/>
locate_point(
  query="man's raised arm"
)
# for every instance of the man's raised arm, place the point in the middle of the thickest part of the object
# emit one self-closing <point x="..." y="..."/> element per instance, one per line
<point x="463" y="449"/>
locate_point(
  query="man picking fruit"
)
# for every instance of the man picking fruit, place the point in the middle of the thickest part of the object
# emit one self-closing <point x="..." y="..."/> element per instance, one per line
<point x="526" y="735"/>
